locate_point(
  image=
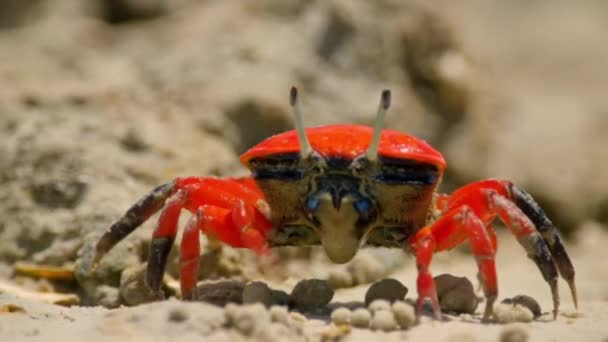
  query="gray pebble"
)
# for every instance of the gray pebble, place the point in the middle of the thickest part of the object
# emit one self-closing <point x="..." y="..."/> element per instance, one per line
<point x="379" y="305"/>
<point x="508" y="313"/>
<point x="388" y="289"/>
<point x="222" y="292"/>
<point x="247" y="319"/>
<point x="341" y="316"/>
<point x="360" y="318"/>
<point x="526" y="301"/>
<point x="514" y="333"/>
<point x="384" y="320"/>
<point x="311" y="294"/>
<point x="133" y="288"/>
<point x="280" y="298"/>
<point x="257" y="292"/>
<point x="279" y="314"/>
<point x="178" y="315"/>
<point x="340" y="278"/>
<point x="404" y="314"/>
<point x="455" y="294"/>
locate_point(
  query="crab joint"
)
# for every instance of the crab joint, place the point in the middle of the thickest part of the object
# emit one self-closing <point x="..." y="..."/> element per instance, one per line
<point x="305" y="148"/>
<point x="385" y="103"/>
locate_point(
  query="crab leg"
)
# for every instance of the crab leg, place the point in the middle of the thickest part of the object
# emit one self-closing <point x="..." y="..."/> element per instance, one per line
<point x="233" y="210"/>
<point x="450" y="230"/>
<point x="524" y="218"/>
<point x="235" y="227"/>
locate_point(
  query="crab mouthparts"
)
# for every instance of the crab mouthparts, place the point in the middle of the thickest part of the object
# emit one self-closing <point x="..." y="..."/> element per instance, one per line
<point x="338" y="234"/>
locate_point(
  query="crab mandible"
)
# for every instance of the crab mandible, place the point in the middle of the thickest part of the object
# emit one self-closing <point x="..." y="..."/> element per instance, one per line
<point x="342" y="186"/>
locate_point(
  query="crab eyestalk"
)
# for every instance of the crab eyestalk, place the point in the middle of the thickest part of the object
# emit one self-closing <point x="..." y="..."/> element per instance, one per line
<point x="305" y="148"/>
<point x="385" y="103"/>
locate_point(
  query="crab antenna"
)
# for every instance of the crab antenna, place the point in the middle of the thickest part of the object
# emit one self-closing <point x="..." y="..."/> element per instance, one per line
<point x="385" y="103"/>
<point x="305" y="147"/>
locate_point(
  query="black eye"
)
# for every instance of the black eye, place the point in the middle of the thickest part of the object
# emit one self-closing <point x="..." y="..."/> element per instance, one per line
<point x="312" y="203"/>
<point x="363" y="205"/>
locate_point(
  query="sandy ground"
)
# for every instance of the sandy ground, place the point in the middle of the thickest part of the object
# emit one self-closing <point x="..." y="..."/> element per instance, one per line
<point x="156" y="321"/>
<point x="98" y="107"/>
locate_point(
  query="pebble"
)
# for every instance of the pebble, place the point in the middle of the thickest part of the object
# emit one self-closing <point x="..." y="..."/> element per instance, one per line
<point x="178" y="315"/>
<point x="247" y="319"/>
<point x="279" y="314"/>
<point x="340" y="278"/>
<point x="455" y="294"/>
<point x="341" y="316"/>
<point x="379" y="305"/>
<point x="280" y="298"/>
<point x="311" y="294"/>
<point x="388" y="289"/>
<point x="508" y="313"/>
<point x="384" y="320"/>
<point x="526" y="301"/>
<point x="404" y="314"/>
<point x="221" y="293"/>
<point x="257" y="292"/>
<point x="515" y="333"/>
<point x="133" y="289"/>
<point x="360" y="318"/>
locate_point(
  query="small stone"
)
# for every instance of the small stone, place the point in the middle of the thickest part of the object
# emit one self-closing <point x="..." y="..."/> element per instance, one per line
<point x="360" y="318"/>
<point x="515" y="333"/>
<point x="379" y="305"/>
<point x="247" y="319"/>
<point x="178" y="315"/>
<point x="455" y="294"/>
<point x="508" y="313"/>
<point x="107" y="296"/>
<point x="526" y="301"/>
<point x="257" y="292"/>
<point x="133" y="288"/>
<point x="404" y="314"/>
<point x="312" y="294"/>
<point x="340" y="278"/>
<point x="341" y="316"/>
<point x="279" y="314"/>
<point x="384" y="320"/>
<point x="221" y="293"/>
<point x="280" y="298"/>
<point x="388" y="289"/>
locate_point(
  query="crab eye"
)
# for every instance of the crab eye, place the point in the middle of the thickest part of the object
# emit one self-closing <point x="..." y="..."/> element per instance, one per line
<point x="312" y="203"/>
<point x="363" y="205"/>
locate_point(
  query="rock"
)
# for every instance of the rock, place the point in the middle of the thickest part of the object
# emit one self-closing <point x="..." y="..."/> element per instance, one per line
<point x="279" y="314"/>
<point x="507" y="313"/>
<point x="384" y="320"/>
<point x="360" y="318"/>
<point x="340" y="278"/>
<point x="133" y="288"/>
<point x="341" y="316"/>
<point x="118" y="11"/>
<point x="515" y="333"/>
<point x="312" y="294"/>
<point x="388" y="289"/>
<point x="404" y="314"/>
<point x="247" y="319"/>
<point x="257" y="292"/>
<point x="107" y="296"/>
<point x="178" y="315"/>
<point x="280" y="297"/>
<point x="379" y="305"/>
<point x="455" y="294"/>
<point x="221" y="293"/>
<point x="526" y="301"/>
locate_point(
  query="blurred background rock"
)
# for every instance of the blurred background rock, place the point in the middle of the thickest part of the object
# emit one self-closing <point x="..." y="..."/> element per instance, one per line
<point x="102" y="100"/>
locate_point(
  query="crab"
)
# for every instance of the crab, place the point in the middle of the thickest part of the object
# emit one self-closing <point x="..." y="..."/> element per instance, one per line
<point x="342" y="187"/>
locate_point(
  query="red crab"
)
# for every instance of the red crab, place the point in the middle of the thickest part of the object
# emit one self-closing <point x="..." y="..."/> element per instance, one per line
<point x="343" y="186"/>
